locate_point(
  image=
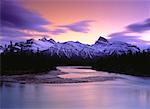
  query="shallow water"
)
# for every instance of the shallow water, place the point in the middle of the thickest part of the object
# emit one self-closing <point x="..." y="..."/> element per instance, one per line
<point x="125" y="93"/>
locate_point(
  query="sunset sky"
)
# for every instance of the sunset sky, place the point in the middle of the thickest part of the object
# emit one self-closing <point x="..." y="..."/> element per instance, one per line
<point x="76" y="20"/>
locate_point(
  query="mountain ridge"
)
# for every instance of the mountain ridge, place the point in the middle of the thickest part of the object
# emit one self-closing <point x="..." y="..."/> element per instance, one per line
<point x="102" y="47"/>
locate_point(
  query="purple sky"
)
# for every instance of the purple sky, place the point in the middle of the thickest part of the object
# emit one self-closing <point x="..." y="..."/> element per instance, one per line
<point x="76" y="20"/>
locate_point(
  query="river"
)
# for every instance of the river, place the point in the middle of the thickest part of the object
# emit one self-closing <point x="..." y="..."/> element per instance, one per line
<point x="126" y="92"/>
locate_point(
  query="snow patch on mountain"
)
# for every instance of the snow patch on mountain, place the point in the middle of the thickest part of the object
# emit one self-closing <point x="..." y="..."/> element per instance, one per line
<point x="115" y="47"/>
<point x="1" y="49"/>
<point x="34" y="45"/>
<point x="71" y="49"/>
<point x="147" y="49"/>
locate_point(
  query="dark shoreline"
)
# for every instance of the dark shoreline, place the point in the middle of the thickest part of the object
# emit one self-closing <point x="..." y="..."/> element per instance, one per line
<point x="137" y="64"/>
<point x="124" y="73"/>
<point x="52" y="77"/>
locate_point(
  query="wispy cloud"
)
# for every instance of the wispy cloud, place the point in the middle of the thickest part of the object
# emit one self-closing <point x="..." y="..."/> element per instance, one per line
<point x="18" y="21"/>
<point x="15" y="18"/>
<point x="8" y="32"/>
<point x="139" y="27"/>
<point x="81" y="26"/>
<point x="127" y="35"/>
<point x="121" y="36"/>
<point x="57" y="31"/>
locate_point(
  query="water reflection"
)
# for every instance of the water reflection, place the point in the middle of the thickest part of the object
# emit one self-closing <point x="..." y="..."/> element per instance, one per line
<point x="98" y="95"/>
<point x="81" y="96"/>
<point x="80" y="72"/>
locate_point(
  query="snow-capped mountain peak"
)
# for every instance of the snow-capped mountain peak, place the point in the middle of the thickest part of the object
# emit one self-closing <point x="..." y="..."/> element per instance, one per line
<point x="33" y="45"/>
<point x="44" y="39"/>
<point x="102" y="40"/>
<point x="116" y="47"/>
<point x="71" y="49"/>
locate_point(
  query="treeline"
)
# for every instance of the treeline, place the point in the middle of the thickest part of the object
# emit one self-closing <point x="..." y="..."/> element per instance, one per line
<point x="21" y="63"/>
<point x="30" y="62"/>
<point x="132" y="64"/>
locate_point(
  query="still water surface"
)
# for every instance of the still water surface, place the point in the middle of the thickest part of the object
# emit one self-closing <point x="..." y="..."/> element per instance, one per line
<point x="127" y="93"/>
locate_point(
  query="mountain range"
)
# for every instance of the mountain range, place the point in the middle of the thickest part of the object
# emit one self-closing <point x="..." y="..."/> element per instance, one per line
<point x="70" y="49"/>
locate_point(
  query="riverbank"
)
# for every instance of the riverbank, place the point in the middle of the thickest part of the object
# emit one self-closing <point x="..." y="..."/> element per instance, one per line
<point x="74" y="74"/>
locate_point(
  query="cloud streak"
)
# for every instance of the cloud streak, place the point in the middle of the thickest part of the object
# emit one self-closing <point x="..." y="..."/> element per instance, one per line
<point x="81" y="26"/>
<point x="139" y="27"/>
<point x="127" y="38"/>
<point x="133" y="39"/>
<point x="18" y="22"/>
<point x="58" y="31"/>
<point x="15" y="18"/>
<point x="12" y="32"/>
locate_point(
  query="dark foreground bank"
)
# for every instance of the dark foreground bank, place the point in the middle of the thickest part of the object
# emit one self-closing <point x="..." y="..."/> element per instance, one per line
<point x="137" y="64"/>
<point x="33" y="63"/>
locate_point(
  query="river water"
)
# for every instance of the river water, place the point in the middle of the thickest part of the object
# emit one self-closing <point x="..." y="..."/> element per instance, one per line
<point x="125" y="93"/>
